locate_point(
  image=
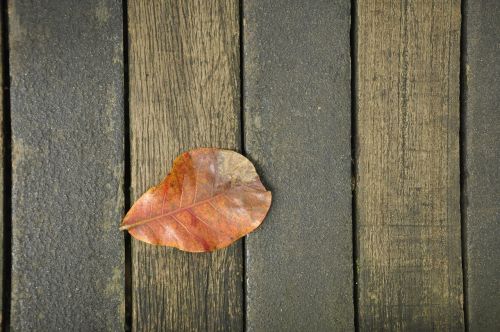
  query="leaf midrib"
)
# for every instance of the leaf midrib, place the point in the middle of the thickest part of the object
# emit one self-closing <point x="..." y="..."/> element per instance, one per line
<point x="168" y="214"/>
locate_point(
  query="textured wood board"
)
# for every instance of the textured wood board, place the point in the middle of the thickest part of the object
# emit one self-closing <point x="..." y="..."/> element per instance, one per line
<point x="482" y="158"/>
<point x="67" y="139"/>
<point x="407" y="171"/>
<point x="184" y="93"/>
<point x="297" y="131"/>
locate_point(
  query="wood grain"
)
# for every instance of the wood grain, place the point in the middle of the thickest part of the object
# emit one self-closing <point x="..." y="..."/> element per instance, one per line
<point x="66" y="69"/>
<point x="184" y="93"/>
<point x="407" y="165"/>
<point x="481" y="163"/>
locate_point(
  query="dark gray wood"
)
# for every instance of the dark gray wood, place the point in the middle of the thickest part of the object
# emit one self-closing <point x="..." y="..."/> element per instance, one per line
<point x="297" y="131"/>
<point x="482" y="170"/>
<point x="67" y="126"/>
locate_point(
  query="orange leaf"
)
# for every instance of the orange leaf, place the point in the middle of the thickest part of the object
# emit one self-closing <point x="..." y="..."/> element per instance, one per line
<point x="211" y="198"/>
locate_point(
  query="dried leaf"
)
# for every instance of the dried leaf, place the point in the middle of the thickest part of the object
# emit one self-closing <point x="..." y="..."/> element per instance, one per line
<point x="211" y="198"/>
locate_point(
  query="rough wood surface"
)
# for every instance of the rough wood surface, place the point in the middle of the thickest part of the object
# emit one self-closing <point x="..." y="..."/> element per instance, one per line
<point x="482" y="158"/>
<point x="184" y="93"/>
<point x="297" y="130"/>
<point x="67" y="195"/>
<point x="407" y="172"/>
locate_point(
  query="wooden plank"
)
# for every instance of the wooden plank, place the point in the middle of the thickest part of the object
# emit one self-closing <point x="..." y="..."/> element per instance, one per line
<point x="297" y="130"/>
<point x="67" y="135"/>
<point x="407" y="165"/>
<point x="184" y="93"/>
<point x="481" y="158"/>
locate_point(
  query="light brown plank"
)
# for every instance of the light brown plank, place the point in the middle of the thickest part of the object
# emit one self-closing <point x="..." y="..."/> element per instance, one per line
<point x="184" y="93"/>
<point x="407" y="170"/>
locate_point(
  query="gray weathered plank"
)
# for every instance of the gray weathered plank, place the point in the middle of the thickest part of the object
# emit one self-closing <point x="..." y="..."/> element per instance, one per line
<point x="407" y="166"/>
<point x="482" y="158"/>
<point x="67" y="196"/>
<point x="184" y="93"/>
<point x="297" y="130"/>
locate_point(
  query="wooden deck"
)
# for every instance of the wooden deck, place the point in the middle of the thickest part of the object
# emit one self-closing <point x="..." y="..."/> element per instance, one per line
<point x="375" y="124"/>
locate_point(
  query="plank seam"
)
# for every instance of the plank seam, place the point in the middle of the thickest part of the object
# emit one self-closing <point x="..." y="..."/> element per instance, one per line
<point x="462" y="156"/>
<point x="354" y="131"/>
<point x="127" y="169"/>
<point x="242" y="147"/>
<point x="7" y="173"/>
